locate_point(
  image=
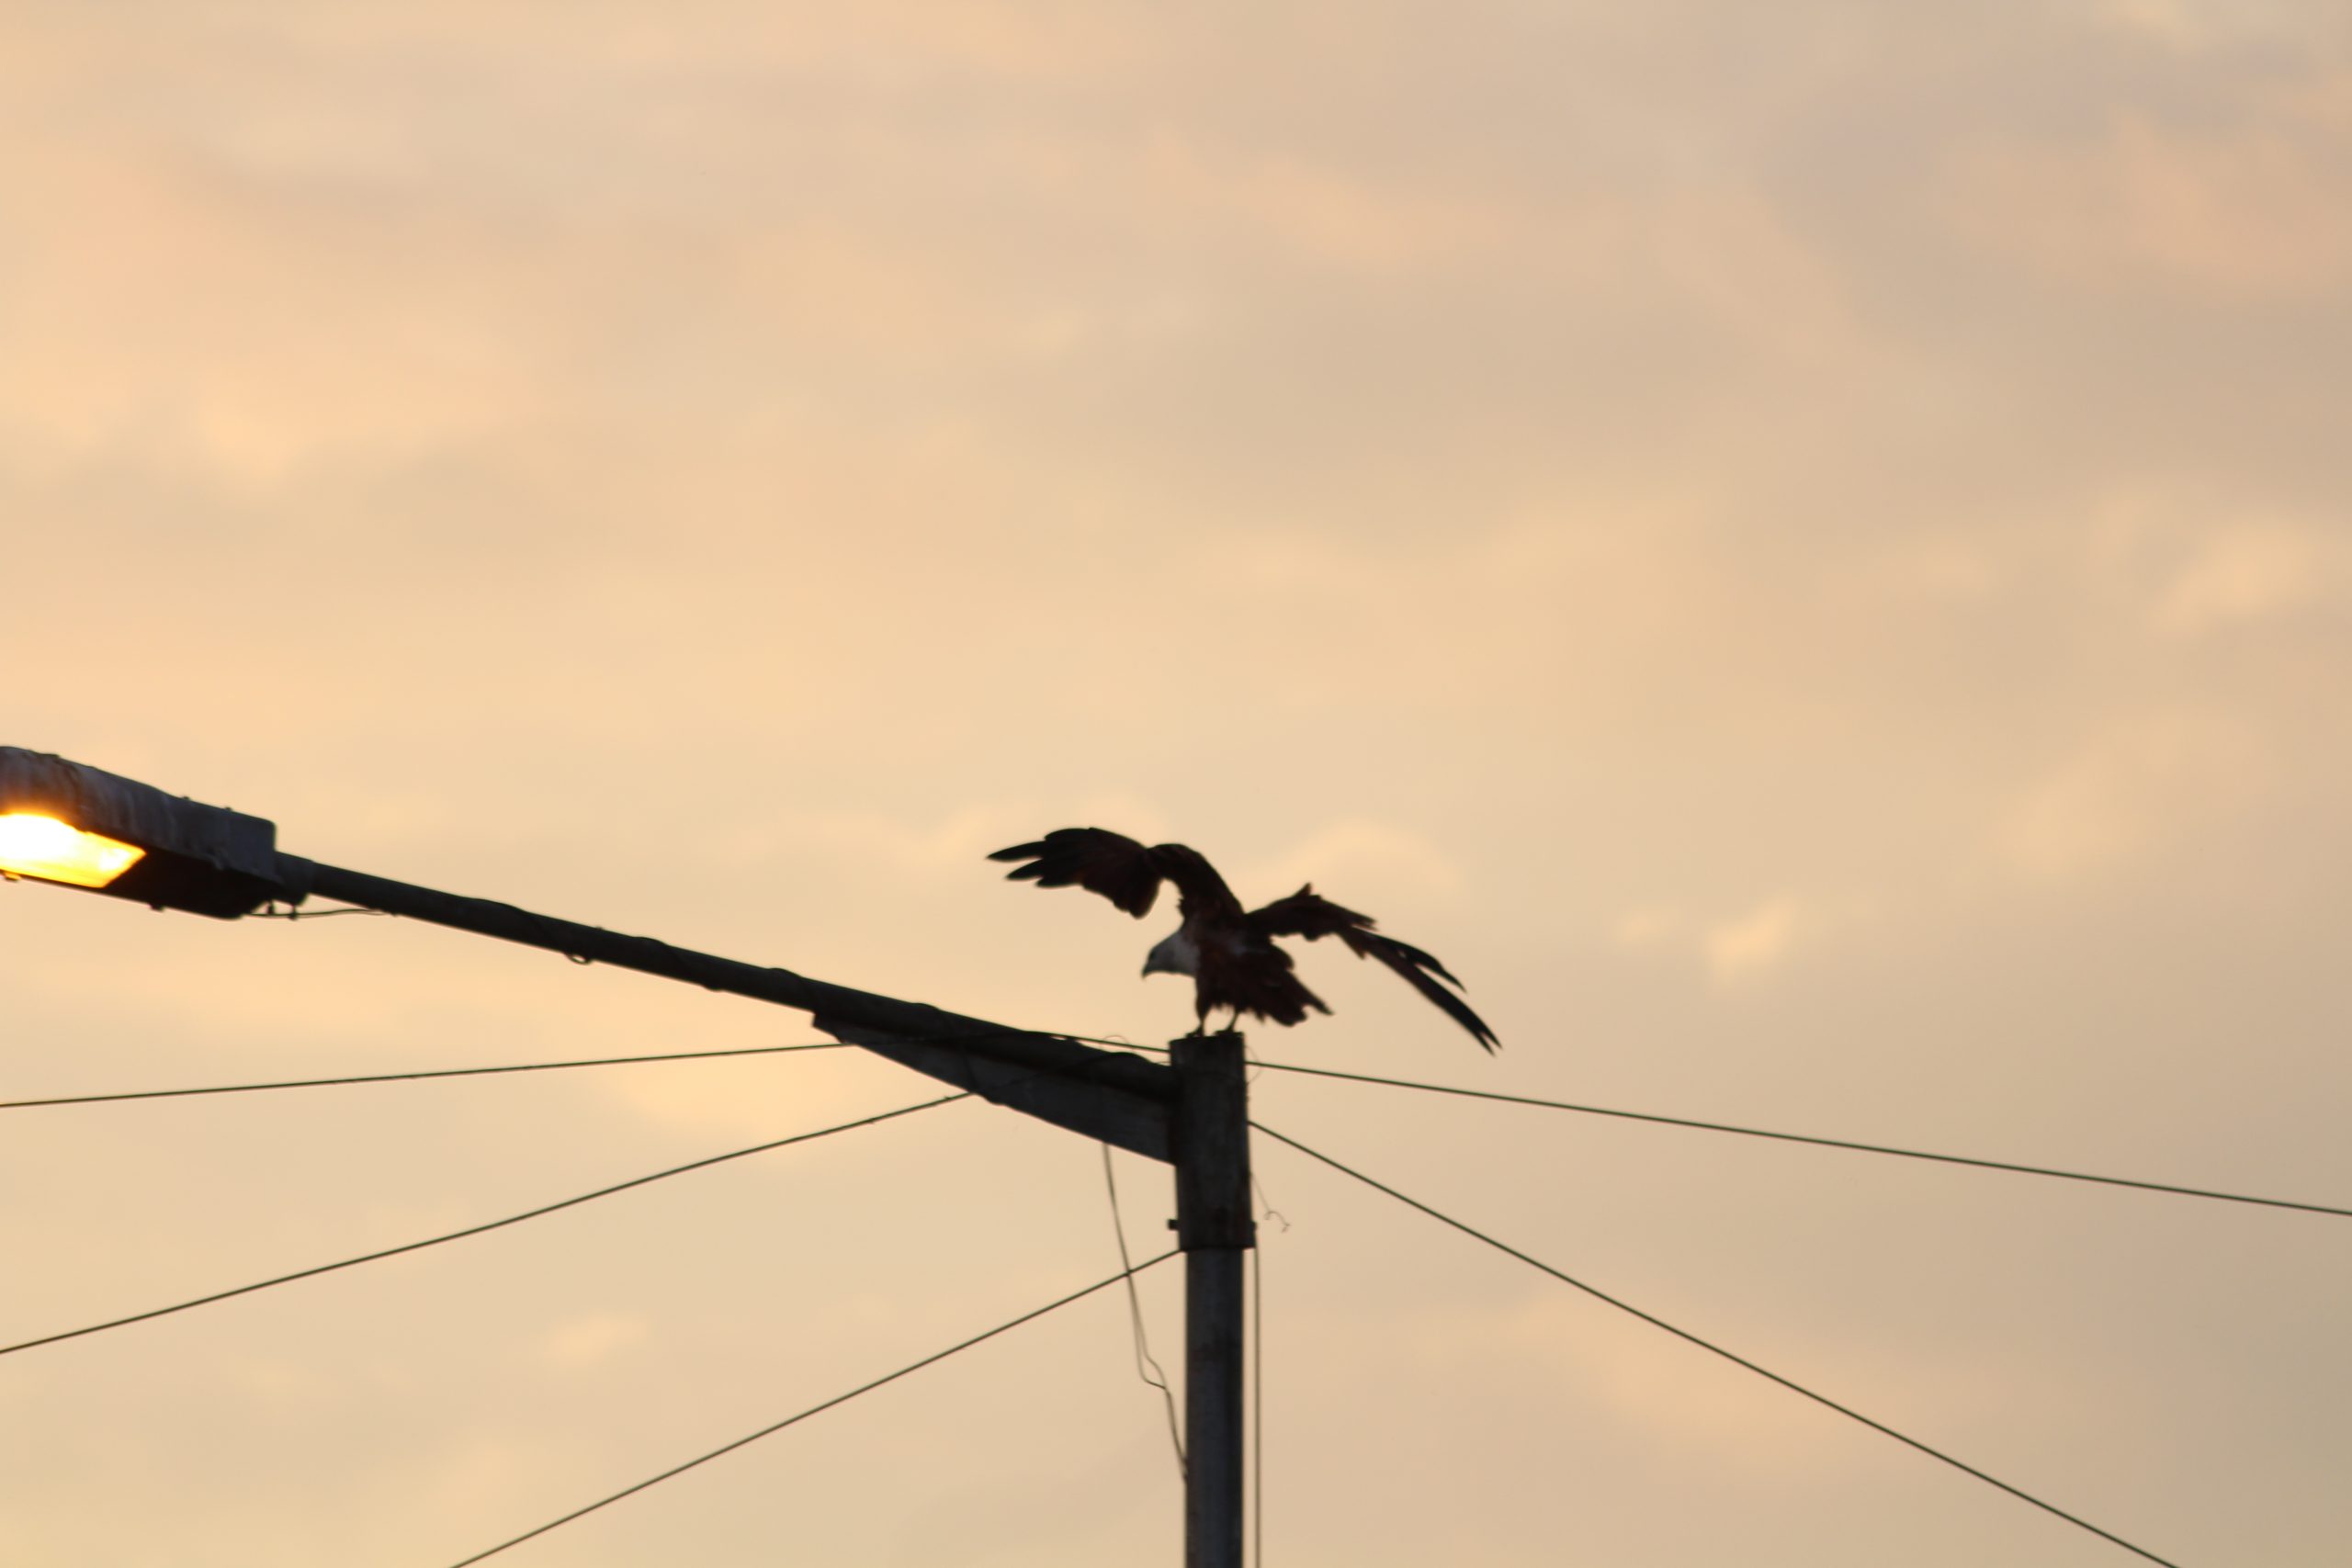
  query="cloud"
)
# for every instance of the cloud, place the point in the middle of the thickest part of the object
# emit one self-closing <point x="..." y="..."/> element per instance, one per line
<point x="876" y="841"/>
<point x="1733" y="949"/>
<point x="2127" y="789"/>
<point x="1648" y="927"/>
<point x="1356" y="222"/>
<point x="2197" y="26"/>
<point x="1752" y="943"/>
<point x="591" y="1338"/>
<point x="2250" y="571"/>
<point x="1366" y="854"/>
<point x="2259" y="209"/>
<point x="1691" y="1403"/>
<point x="1741" y="261"/>
<point x="751" y="1097"/>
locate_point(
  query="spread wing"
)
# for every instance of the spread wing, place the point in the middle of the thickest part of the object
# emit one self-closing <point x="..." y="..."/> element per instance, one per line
<point x="1120" y="869"/>
<point x="1309" y="914"/>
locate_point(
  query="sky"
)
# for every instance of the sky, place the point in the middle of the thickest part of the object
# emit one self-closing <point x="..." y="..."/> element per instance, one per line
<point x="1805" y="551"/>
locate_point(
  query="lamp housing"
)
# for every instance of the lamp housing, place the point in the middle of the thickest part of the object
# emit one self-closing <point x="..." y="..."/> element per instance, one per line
<point x="168" y="851"/>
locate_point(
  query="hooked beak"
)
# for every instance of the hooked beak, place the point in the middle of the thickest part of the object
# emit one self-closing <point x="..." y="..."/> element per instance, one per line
<point x="1169" y="957"/>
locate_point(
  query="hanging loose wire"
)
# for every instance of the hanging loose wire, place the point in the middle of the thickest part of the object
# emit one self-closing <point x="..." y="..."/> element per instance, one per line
<point x="1147" y="1368"/>
<point x="1266" y="1211"/>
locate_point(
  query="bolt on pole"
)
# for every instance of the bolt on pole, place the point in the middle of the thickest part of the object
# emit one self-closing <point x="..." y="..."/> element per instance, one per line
<point x="1214" y="1228"/>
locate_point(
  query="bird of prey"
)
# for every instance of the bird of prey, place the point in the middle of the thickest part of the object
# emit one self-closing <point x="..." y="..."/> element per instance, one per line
<point x="1229" y="953"/>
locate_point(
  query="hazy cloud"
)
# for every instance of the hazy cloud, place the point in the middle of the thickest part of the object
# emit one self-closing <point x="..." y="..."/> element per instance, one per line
<point x="1753" y="943"/>
<point x="591" y="1338"/>
<point x="2255" y="210"/>
<point x="2124" y="790"/>
<point x="1801" y="549"/>
<point x="2253" y="571"/>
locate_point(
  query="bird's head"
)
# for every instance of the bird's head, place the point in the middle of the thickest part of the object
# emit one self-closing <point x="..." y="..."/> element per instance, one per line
<point x="1174" y="955"/>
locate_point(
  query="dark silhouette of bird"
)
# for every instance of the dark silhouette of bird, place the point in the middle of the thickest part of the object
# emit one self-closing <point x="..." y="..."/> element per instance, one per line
<point x="1228" y="951"/>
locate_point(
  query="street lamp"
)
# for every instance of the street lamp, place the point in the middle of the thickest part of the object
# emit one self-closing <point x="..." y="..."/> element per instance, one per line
<point x="67" y="823"/>
<point x="80" y="826"/>
<point x="62" y="822"/>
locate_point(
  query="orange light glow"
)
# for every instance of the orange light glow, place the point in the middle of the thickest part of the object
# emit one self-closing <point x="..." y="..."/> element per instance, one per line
<point x="45" y="848"/>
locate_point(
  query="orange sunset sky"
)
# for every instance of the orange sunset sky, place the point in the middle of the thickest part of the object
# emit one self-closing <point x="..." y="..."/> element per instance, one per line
<point x="1805" y="550"/>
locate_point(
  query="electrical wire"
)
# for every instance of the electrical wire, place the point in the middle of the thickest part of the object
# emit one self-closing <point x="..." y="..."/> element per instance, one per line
<point x="2167" y="1187"/>
<point x="815" y="1409"/>
<point x="1257" y="1370"/>
<point x="405" y="1077"/>
<point x="1146" y="1367"/>
<point x="1823" y="1143"/>
<point x="518" y="1067"/>
<point x="1705" y="1345"/>
<point x="476" y="1230"/>
<point x="270" y="911"/>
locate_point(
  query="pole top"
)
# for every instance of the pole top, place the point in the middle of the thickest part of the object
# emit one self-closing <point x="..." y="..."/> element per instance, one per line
<point x="1212" y="1142"/>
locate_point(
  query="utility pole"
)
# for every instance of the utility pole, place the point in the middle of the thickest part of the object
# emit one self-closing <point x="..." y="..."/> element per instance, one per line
<point x="1214" y="1228"/>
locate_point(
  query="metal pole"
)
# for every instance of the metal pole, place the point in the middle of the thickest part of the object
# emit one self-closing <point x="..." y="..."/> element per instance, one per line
<point x="1107" y="1095"/>
<point x="1214" y="1227"/>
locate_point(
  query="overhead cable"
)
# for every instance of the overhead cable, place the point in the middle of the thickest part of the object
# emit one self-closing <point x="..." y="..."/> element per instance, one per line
<point x="1706" y="1345"/>
<point x="1804" y="1138"/>
<point x="475" y="1230"/>
<point x="815" y="1409"/>
<point x="405" y="1077"/>
<point x="515" y="1067"/>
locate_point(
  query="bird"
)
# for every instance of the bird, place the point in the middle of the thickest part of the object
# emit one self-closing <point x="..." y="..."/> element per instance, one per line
<point x="1229" y="953"/>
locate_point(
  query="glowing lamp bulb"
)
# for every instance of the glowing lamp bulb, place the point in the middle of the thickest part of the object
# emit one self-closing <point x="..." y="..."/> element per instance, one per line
<point x="45" y="848"/>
